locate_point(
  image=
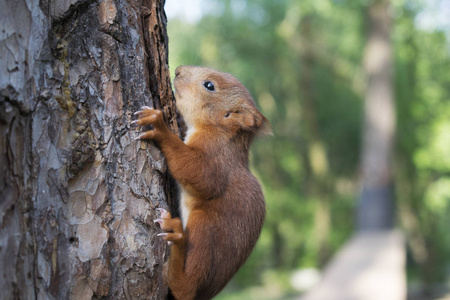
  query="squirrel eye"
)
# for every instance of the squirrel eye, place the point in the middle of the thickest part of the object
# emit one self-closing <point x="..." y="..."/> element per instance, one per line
<point x="209" y="86"/>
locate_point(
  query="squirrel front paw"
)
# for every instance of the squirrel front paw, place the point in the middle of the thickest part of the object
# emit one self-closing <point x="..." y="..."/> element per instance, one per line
<point x="172" y="227"/>
<point x="154" y="117"/>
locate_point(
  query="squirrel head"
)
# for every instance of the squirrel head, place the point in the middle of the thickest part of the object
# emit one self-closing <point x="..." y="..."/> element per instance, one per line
<point x="206" y="97"/>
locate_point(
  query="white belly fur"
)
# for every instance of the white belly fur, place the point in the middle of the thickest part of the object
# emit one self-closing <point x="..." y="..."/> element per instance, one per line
<point x="190" y="131"/>
<point x="184" y="210"/>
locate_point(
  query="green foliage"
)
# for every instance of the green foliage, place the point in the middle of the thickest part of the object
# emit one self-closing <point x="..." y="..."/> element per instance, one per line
<point x="423" y="144"/>
<point x="273" y="47"/>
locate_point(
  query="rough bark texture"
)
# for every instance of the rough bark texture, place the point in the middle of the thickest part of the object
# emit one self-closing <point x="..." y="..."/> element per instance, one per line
<point x="78" y="194"/>
<point x="376" y="208"/>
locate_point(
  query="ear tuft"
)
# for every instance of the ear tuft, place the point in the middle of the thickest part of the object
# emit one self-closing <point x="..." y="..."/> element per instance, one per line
<point x="254" y="121"/>
<point x="265" y="128"/>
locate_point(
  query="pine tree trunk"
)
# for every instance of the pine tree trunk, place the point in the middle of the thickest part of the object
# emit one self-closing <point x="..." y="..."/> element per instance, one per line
<point x="78" y="193"/>
<point x="376" y="210"/>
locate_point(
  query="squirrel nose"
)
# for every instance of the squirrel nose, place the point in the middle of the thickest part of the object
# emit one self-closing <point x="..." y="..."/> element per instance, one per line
<point x="178" y="71"/>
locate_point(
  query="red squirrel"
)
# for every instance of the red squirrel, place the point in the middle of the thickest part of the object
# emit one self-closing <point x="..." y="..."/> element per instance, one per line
<point x="222" y="205"/>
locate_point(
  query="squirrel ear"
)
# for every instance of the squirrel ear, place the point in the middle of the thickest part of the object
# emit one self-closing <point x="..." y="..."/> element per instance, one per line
<point x="253" y="120"/>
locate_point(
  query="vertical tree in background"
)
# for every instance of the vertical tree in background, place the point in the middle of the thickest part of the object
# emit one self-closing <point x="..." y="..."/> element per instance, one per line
<point x="78" y="194"/>
<point x="375" y="210"/>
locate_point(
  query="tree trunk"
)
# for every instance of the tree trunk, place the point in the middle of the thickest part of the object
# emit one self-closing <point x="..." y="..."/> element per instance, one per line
<point x="78" y="193"/>
<point x="375" y="211"/>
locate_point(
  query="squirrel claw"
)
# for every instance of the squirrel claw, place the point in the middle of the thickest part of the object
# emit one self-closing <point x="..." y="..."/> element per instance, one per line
<point x="146" y="107"/>
<point x="139" y="137"/>
<point x="138" y="112"/>
<point x="159" y="221"/>
<point x="162" y="211"/>
<point x="162" y="234"/>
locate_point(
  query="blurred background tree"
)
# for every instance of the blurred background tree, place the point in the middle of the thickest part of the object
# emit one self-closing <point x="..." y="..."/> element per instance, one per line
<point x="303" y="63"/>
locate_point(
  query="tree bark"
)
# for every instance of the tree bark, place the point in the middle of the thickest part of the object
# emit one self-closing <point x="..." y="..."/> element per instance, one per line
<point x="78" y="193"/>
<point x="375" y="211"/>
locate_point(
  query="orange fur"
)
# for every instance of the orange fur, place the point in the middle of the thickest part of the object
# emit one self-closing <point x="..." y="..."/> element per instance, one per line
<point x="222" y="202"/>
